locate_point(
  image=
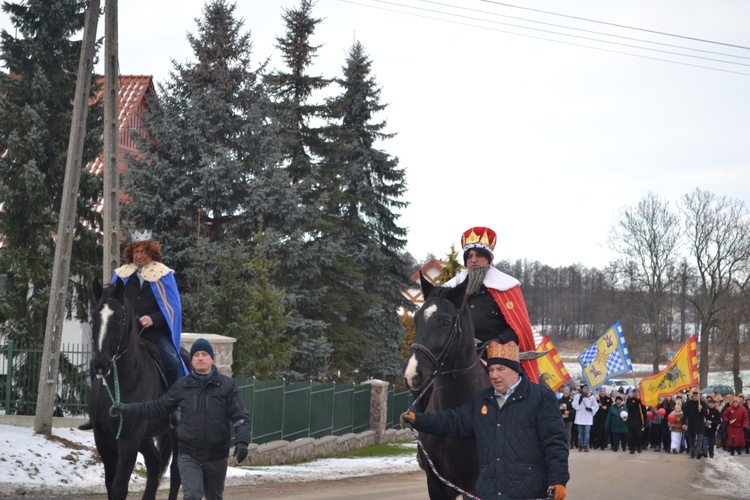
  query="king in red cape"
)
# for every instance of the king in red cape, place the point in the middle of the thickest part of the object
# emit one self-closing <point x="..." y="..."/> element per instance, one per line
<point x="497" y="307"/>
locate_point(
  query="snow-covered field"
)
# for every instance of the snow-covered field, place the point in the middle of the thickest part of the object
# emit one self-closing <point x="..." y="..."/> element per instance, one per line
<point x="31" y="464"/>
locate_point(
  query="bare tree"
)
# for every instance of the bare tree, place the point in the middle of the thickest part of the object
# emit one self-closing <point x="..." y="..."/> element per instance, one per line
<point x="647" y="235"/>
<point x="718" y="232"/>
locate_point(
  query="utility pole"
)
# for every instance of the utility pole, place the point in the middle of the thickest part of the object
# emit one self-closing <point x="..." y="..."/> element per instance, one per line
<point x="111" y="212"/>
<point x="65" y="229"/>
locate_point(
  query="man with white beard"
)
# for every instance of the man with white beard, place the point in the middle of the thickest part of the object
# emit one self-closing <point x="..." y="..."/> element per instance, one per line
<point x="498" y="309"/>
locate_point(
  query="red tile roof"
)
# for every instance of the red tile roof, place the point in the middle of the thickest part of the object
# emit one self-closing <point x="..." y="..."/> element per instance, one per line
<point x="132" y="93"/>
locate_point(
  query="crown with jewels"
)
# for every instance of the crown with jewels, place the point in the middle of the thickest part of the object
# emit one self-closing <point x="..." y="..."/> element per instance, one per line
<point x="479" y="237"/>
<point x="144" y="235"/>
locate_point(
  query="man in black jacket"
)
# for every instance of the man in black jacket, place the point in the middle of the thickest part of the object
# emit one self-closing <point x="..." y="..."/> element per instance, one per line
<point x="694" y="423"/>
<point x="521" y="440"/>
<point x="599" y="434"/>
<point x="208" y="402"/>
<point x="636" y="421"/>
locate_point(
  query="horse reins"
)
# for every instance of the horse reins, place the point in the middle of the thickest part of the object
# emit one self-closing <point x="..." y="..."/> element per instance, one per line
<point x="440" y="359"/>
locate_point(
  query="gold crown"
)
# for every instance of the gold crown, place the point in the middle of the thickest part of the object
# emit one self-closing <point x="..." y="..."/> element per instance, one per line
<point x="479" y="237"/>
<point x="504" y="351"/>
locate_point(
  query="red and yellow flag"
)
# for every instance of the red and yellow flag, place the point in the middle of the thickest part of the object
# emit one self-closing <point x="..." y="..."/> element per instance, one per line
<point x="552" y="371"/>
<point x="681" y="373"/>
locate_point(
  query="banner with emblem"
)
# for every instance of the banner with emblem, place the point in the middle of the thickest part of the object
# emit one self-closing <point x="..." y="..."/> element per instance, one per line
<point x="681" y="373"/>
<point x="608" y="357"/>
<point x="552" y="371"/>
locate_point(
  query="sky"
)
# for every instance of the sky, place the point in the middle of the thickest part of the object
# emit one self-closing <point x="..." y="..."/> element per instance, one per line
<point x="541" y="136"/>
<point x="69" y="467"/>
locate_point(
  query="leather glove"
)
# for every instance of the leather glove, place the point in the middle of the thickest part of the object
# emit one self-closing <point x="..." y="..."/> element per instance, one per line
<point x="240" y="451"/>
<point x="407" y="418"/>
<point x="120" y="408"/>
<point x="589" y="409"/>
<point x="557" y="492"/>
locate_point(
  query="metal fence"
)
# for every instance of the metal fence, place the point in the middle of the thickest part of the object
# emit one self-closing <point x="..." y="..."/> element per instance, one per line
<point x="278" y="410"/>
<point x="19" y="382"/>
<point x="296" y="410"/>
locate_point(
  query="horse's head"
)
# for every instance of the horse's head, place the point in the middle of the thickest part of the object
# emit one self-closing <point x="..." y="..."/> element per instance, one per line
<point x="444" y="333"/>
<point x="110" y="324"/>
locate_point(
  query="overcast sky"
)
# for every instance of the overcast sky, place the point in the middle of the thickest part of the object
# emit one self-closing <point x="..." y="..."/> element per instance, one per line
<point x="541" y="140"/>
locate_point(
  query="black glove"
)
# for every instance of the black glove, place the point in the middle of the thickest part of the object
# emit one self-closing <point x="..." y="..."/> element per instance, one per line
<point x="240" y="451"/>
<point x="120" y="408"/>
<point x="589" y="409"/>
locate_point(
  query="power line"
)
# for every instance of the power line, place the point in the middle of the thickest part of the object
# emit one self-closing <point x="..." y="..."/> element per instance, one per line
<point x="584" y="30"/>
<point x="550" y="39"/>
<point x="561" y="34"/>
<point x="616" y="25"/>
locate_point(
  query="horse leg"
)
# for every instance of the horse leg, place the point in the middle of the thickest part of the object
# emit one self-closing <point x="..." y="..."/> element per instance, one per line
<point x="108" y="453"/>
<point x="128" y="452"/>
<point x="174" y="471"/>
<point x="152" y="460"/>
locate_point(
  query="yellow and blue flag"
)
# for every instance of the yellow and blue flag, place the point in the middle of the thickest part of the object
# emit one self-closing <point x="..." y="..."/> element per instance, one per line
<point x="607" y="358"/>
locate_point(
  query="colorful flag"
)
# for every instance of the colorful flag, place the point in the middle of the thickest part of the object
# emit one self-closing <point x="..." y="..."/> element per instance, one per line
<point x="608" y="357"/>
<point x="681" y="373"/>
<point x="551" y="368"/>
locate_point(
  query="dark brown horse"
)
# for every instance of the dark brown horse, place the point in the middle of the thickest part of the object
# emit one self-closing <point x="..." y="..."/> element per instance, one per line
<point x="444" y="352"/>
<point x="126" y="372"/>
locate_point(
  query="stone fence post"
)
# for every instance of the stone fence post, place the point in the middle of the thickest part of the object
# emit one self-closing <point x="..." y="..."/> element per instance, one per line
<point x="221" y="345"/>
<point x="378" y="406"/>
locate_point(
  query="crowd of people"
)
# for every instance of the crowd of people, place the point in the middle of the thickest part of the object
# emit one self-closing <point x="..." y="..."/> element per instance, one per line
<point x="688" y="422"/>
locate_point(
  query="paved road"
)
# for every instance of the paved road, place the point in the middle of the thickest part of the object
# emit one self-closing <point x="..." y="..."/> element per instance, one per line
<point x="595" y="475"/>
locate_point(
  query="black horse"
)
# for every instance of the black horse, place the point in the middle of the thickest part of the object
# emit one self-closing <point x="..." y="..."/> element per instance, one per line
<point x="444" y="352"/>
<point x="126" y="372"/>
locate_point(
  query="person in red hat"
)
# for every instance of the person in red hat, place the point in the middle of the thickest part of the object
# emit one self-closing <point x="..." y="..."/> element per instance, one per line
<point x="498" y="309"/>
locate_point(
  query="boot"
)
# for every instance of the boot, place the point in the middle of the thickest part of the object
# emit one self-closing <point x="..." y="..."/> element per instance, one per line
<point x="86" y="426"/>
<point x="586" y="449"/>
<point x="580" y="449"/>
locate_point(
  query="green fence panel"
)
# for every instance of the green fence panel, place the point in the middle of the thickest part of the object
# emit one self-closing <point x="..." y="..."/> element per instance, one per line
<point x="361" y="413"/>
<point x="321" y="409"/>
<point x="399" y="400"/>
<point x="20" y="384"/>
<point x="296" y="410"/>
<point x="268" y="411"/>
<point x="343" y="409"/>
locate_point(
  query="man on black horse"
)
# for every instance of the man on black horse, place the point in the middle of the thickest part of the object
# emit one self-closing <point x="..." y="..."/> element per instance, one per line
<point x="152" y="292"/>
<point x="497" y="307"/>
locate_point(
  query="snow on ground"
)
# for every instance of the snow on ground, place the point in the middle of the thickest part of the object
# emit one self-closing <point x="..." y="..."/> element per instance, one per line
<point x="34" y="467"/>
<point x="30" y="464"/>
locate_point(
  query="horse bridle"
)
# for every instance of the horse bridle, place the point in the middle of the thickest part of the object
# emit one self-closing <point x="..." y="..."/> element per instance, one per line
<point x="439" y="360"/>
<point x="117" y="355"/>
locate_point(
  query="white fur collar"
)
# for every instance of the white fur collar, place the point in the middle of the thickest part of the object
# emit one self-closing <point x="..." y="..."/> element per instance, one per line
<point x="153" y="271"/>
<point x="494" y="279"/>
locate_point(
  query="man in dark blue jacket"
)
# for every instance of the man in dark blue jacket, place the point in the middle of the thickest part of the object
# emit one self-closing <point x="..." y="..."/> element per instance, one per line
<point x="209" y="402"/>
<point x="520" y="435"/>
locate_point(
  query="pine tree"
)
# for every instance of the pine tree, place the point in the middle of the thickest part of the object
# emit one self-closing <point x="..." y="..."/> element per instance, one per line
<point x="35" y="119"/>
<point x="208" y="168"/>
<point x="307" y="254"/>
<point x="452" y="268"/>
<point x="365" y="187"/>
<point x="261" y="349"/>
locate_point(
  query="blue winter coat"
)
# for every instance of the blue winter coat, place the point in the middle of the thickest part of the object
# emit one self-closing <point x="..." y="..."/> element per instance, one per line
<point x="522" y="447"/>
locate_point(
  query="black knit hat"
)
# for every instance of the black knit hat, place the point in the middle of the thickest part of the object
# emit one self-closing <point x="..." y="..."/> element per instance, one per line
<point x="202" y="345"/>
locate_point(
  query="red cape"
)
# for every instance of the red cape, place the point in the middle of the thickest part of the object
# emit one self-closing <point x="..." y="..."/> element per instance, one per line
<point x="513" y="306"/>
